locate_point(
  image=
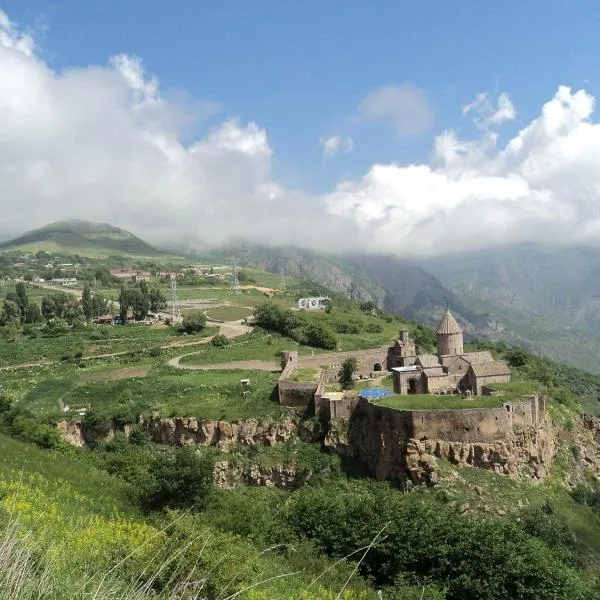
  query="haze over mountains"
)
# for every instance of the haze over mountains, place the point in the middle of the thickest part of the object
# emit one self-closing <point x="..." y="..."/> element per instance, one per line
<point x="542" y="297"/>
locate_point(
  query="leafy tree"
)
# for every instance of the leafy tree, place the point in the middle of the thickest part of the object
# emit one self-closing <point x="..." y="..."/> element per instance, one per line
<point x="516" y="358"/>
<point x="87" y="302"/>
<point x="347" y="371"/>
<point x="181" y="479"/>
<point x="368" y="307"/>
<point x="33" y="314"/>
<point x="22" y="301"/>
<point x="99" y="304"/>
<point x="10" y="312"/>
<point x="140" y="302"/>
<point x="320" y="337"/>
<point x="158" y="300"/>
<point x="193" y="323"/>
<point x="48" y="308"/>
<point x="124" y="303"/>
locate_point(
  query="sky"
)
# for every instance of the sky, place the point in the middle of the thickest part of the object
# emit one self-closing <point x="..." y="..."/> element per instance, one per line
<point x="397" y="127"/>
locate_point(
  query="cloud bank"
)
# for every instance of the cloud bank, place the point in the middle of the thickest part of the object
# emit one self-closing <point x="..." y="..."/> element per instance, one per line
<point x="104" y="143"/>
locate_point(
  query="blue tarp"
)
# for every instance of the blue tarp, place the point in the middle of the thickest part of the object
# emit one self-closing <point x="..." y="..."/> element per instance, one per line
<point x="374" y="393"/>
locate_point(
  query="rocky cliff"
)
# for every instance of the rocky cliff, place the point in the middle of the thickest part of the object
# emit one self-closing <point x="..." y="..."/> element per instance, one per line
<point x="390" y="443"/>
<point x="222" y="434"/>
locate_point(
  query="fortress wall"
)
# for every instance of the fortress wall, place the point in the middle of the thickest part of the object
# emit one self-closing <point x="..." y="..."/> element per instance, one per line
<point x="366" y="359"/>
<point x="293" y="393"/>
<point x="380" y="436"/>
<point x="321" y="405"/>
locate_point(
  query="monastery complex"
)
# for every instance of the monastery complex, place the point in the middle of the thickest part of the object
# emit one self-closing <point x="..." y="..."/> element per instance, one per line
<point x="449" y="371"/>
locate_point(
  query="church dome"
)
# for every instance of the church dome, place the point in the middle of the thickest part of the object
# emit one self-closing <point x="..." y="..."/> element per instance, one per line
<point x="448" y="325"/>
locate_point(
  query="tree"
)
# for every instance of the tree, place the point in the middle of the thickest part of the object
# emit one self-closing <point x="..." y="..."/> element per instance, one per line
<point x="99" y="304"/>
<point x="140" y="302"/>
<point x="320" y="337"/>
<point x="347" y="371"/>
<point x="87" y="302"/>
<point x="179" y="480"/>
<point x="158" y="301"/>
<point x="11" y="313"/>
<point x="48" y="308"/>
<point x="124" y="303"/>
<point x="21" y="292"/>
<point x="33" y="314"/>
<point x="194" y="323"/>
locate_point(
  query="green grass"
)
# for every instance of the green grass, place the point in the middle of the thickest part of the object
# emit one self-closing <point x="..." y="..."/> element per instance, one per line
<point x="432" y="402"/>
<point x="228" y="313"/>
<point x="257" y="346"/>
<point x="203" y="394"/>
<point x="79" y="489"/>
<point x="518" y="387"/>
<point x="305" y="375"/>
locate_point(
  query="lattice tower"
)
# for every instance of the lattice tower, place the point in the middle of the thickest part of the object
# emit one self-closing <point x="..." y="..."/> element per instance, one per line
<point x="175" y="310"/>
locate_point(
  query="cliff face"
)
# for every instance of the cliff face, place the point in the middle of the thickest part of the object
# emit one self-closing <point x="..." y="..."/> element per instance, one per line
<point x="402" y="444"/>
<point x="287" y="476"/>
<point x="221" y="434"/>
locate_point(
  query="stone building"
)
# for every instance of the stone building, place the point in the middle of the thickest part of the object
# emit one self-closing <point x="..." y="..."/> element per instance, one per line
<point x="452" y="370"/>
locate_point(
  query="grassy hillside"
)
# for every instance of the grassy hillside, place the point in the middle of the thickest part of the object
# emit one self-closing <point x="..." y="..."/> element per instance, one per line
<point x="80" y="237"/>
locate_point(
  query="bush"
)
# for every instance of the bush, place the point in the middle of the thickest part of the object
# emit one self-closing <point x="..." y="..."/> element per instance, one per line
<point x="320" y="337"/>
<point x="179" y="479"/>
<point x="220" y="341"/>
<point x="420" y="544"/>
<point x="349" y="367"/>
<point x="193" y="323"/>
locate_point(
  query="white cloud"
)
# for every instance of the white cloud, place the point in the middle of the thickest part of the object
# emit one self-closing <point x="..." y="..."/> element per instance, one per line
<point x="335" y="145"/>
<point x="105" y="143"/>
<point x="404" y="106"/>
<point x="486" y="113"/>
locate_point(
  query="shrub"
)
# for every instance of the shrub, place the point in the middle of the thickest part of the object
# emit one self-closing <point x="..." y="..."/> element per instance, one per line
<point x="193" y="323"/>
<point x="349" y="367"/>
<point x="179" y="479"/>
<point x="220" y="341"/>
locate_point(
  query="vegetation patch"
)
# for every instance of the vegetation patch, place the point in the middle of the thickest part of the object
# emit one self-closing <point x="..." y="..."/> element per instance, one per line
<point x="433" y="402"/>
<point x="228" y="313"/>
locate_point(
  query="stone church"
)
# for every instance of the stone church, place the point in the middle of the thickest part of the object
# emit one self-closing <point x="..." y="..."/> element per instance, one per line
<point x="450" y="371"/>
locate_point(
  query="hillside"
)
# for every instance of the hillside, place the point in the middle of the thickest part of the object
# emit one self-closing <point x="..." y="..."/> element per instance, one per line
<point x="546" y="298"/>
<point x="80" y="237"/>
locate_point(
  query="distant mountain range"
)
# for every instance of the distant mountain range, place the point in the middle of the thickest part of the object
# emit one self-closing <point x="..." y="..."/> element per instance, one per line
<point x="81" y="237"/>
<point x="544" y="298"/>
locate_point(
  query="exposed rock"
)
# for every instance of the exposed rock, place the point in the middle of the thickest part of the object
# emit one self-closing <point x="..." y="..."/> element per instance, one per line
<point x="520" y="444"/>
<point x="464" y="507"/>
<point x="336" y="438"/>
<point x="180" y="431"/>
<point x="287" y="477"/>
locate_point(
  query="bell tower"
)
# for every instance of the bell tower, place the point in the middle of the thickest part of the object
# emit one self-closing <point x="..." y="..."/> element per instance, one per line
<point x="449" y="336"/>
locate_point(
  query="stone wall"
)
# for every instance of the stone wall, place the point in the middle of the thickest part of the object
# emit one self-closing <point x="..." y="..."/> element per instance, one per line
<point x="395" y="444"/>
<point x="294" y="393"/>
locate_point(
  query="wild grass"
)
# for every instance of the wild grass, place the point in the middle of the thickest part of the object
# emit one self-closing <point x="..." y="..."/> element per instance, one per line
<point x="432" y="402"/>
<point x="202" y="394"/>
<point x="228" y="313"/>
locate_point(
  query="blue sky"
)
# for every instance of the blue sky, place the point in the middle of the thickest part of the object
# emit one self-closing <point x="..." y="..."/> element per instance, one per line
<point x="300" y="69"/>
<point x="337" y="125"/>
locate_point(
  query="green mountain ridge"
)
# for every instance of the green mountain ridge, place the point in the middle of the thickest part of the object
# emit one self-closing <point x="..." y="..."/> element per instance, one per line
<point x="80" y="237"/>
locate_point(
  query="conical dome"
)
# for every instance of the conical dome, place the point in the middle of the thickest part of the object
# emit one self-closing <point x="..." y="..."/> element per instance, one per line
<point x="448" y="325"/>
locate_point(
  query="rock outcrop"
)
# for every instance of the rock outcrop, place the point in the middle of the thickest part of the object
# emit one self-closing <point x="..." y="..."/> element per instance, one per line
<point x="286" y="476"/>
<point x="222" y="434"/>
<point x="513" y="440"/>
<point x="180" y="431"/>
